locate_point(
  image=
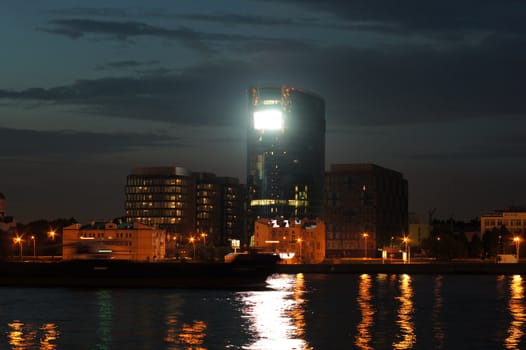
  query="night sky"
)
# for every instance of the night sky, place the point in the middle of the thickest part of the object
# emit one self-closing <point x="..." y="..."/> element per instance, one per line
<point x="90" y="90"/>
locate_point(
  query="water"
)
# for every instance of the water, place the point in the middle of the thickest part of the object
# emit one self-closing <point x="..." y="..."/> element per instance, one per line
<point x="296" y="312"/>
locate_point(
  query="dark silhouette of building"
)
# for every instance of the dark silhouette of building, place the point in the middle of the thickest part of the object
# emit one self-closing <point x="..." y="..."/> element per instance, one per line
<point x="219" y="208"/>
<point x="285" y="154"/>
<point x="365" y="208"/>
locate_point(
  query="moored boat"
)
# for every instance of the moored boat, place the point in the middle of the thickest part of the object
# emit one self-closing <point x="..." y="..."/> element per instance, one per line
<point x="127" y="274"/>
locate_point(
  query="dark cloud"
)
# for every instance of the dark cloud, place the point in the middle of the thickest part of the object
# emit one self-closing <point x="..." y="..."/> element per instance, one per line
<point x="22" y="143"/>
<point x="373" y="86"/>
<point x="223" y="18"/>
<point x="422" y="16"/>
<point x="226" y="19"/>
<point x="77" y="28"/>
<point x="125" y="64"/>
<point x="203" y="42"/>
<point x="202" y="96"/>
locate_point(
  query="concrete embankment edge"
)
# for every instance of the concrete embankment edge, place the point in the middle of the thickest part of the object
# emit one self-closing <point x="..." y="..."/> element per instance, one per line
<point x="437" y="268"/>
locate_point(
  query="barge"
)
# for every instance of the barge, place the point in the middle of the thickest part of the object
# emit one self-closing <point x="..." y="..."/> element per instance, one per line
<point x="128" y="274"/>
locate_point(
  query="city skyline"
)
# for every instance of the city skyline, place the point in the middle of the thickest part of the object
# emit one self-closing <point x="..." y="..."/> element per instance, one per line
<point x="89" y="93"/>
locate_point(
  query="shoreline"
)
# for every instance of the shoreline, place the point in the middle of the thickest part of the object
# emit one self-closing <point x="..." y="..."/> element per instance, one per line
<point x="410" y="268"/>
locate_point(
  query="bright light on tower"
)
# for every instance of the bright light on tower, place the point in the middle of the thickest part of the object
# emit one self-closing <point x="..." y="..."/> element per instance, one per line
<point x="269" y="119"/>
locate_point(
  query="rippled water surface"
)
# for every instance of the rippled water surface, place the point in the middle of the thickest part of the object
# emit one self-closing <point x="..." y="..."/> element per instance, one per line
<point x="296" y="312"/>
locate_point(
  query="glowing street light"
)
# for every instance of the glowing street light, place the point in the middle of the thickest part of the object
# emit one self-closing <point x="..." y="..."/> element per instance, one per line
<point x="18" y="240"/>
<point x="203" y="235"/>
<point x="51" y="234"/>
<point x="299" y="240"/>
<point x="407" y="249"/>
<point x="365" y="235"/>
<point x="517" y="241"/>
<point x="192" y="240"/>
<point x="33" y="238"/>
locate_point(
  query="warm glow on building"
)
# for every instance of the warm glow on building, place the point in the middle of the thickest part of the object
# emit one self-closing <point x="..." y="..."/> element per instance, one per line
<point x="297" y="241"/>
<point x="123" y="241"/>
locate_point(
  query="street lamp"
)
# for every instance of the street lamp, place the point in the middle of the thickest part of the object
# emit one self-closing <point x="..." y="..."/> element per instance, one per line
<point x="18" y="240"/>
<point x="438" y="243"/>
<point x="203" y="235"/>
<point x="51" y="234"/>
<point x="365" y="235"/>
<point x="407" y="249"/>
<point x="192" y="240"/>
<point x="299" y="240"/>
<point x="33" y="238"/>
<point x="517" y="241"/>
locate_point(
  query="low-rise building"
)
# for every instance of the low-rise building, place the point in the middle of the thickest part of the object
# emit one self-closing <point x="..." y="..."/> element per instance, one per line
<point x="7" y="223"/>
<point x="109" y="240"/>
<point x="513" y="221"/>
<point x="296" y="241"/>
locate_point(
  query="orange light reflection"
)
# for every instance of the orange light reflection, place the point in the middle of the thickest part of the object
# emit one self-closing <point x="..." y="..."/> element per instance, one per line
<point x="29" y="336"/>
<point x="193" y="335"/>
<point x="517" y="312"/>
<point x="363" y="337"/>
<point x="406" y="338"/>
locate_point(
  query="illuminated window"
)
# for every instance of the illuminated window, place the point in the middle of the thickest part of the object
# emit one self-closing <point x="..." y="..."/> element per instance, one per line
<point x="268" y="120"/>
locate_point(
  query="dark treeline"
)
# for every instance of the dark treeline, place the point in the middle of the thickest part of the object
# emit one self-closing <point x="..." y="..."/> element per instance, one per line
<point x="452" y="239"/>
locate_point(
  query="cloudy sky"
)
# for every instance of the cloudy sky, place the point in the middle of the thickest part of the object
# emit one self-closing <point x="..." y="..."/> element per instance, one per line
<point x="90" y="90"/>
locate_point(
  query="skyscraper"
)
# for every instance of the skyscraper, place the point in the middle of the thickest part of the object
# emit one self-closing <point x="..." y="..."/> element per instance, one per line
<point x="285" y="153"/>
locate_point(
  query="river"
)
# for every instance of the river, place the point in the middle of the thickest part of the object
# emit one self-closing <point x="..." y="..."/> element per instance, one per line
<point x="311" y="311"/>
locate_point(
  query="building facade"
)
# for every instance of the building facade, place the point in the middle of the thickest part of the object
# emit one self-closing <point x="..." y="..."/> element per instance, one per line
<point x="219" y="208"/>
<point x="201" y="206"/>
<point x="109" y="240"/>
<point x="285" y="154"/>
<point x="296" y="241"/>
<point x="365" y="209"/>
<point x="7" y="223"/>
<point x="513" y="222"/>
<point x="163" y="196"/>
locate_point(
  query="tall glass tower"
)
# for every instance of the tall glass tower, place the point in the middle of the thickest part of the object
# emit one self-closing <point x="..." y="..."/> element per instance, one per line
<point x="285" y="153"/>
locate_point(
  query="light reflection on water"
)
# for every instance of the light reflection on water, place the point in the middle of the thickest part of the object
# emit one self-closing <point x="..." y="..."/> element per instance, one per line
<point x="31" y="336"/>
<point x="517" y="312"/>
<point x="406" y="337"/>
<point x="363" y="336"/>
<point x="104" y="329"/>
<point x="276" y="317"/>
<point x="438" y="331"/>
<point x="295" y="312"/>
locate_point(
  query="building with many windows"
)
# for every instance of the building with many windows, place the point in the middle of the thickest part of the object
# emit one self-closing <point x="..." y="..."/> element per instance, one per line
<point x="162" y="196"/>
<point x="513" y="222"/>
<point x="285" y="153"/>
<point x="109" y="240"/>
<point x="365" y="208"/>
<point x="201" y="206"/>
<point x="219" y="208"/>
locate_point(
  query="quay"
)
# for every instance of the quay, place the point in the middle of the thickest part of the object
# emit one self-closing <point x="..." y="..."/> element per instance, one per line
<point x="373" y="266"/>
